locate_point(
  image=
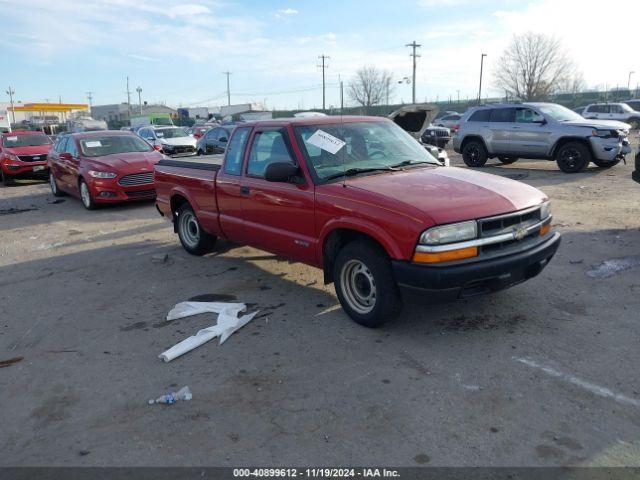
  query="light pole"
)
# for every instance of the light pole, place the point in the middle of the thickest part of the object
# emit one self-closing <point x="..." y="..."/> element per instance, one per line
<point x="629" y="81"/>
<point x="11" y="93"/>
<point x="139" y="90"/>
<point x="480" y="87"/>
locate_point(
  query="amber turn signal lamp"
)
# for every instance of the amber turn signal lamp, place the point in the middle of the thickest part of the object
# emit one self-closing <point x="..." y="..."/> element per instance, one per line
<point x="544" y="229"/>
<point x="448" y="256"/>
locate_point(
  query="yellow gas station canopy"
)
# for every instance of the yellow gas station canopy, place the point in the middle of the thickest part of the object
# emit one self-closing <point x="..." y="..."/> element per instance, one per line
<point x="50" y="107"/>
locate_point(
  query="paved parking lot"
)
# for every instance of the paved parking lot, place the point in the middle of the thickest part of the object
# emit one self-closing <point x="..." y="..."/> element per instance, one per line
<point x="545" y="373"/>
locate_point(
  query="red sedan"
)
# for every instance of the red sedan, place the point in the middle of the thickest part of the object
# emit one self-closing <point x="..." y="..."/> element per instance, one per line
<point x="23" y="153"/>
<point x="103" y="167"/>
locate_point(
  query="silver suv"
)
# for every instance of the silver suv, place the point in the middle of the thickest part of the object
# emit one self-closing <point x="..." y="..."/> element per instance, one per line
<point x="539" y="130"/>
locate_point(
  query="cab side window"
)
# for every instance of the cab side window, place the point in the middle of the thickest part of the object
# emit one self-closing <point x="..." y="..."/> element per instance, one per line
<point x="268" y="147"/>
<point x="502" y="115"/>
<point x="235" y="150"/>
<point x="71" y="147"/>
<point x="526" y="115"/>
<point x="480" y="116"/>
<point x="61" y="144"/>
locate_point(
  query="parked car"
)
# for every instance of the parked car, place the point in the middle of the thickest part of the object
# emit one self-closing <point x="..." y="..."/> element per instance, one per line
<point x="635" y="104"/>
<point x="103" y="167"/>
<point x="198" y="130"/>
<point x="612" y="111"/>
<point x="450" y="121"/>
<point x="23" y="153"/>
<point x="580" y="110"/>
<point x="215" y="140"/>
<point x="361" y="199"/>
<point x="438" y="136"/>
<point x="416" y="120"/>
<point x="172" y="141"/>
<point x="539" y="130"/>
<point x="444" y="113"/>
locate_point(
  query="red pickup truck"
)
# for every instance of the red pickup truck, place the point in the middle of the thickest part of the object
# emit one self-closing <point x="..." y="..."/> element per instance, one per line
<point x="363" y="200"/>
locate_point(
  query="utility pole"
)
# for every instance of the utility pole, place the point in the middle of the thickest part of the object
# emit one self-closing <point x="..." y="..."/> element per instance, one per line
<point x="480" y="87"/>
<point x="11" y="93"/>
<point x="324" y="67"/>
<point x="413" y="54"/>
<point x="629" y="81"/>
<point x="341" y="96"/>
<point x="139" y="90"/>
<point x="228" y="88"/>
<point x="458" y="96"/>
<point x="90" y="98"/>
<point x="128" y="98"/>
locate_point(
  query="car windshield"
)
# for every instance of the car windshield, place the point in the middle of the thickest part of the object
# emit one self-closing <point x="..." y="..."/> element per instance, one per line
<point x="559" y="113"/>
<point x="171" y="133"/>
<point x="368" y="146"/>
<point x="25" y="141"/>
<point x="99" y="146"/>
<point x="162" y="121"/>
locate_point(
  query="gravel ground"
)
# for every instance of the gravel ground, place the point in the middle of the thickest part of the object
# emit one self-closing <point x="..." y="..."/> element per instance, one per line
<point x="545" y="373"/>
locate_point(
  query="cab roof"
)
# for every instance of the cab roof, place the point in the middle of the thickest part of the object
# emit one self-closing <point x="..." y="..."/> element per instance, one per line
<point x="302" y="121"/>
<point x="23" y="132"/>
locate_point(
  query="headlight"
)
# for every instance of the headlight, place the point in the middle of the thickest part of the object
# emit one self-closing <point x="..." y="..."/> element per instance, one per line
<point x="601" y="133"/>
<point x="98" y="174"/>
<point x="456" y="232"/>
<point x="545" y="210"/>
<point x="13" y="157"/>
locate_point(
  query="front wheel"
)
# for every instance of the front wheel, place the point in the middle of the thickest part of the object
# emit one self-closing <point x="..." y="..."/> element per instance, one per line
<point x="507" y="160"/>
<point x="6" y="179"/>
<point x="573" y="157"/>
<point x="365" y="284"/>
<point x="606" y="163"/>
<point x="54" y="185"/>
<point x="474" y="154"/>
<point x="192" y="237"/>
<point x="85" y="196"/>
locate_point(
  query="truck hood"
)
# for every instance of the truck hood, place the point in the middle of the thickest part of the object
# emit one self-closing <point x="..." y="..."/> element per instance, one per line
<point x="441" y="195"/>
<point x="179" y="141"/>
<point x="611" y="124"/>
<point x="414" y="119"/>
<point x="125" y="163"/>
<point x="34" y="150"/>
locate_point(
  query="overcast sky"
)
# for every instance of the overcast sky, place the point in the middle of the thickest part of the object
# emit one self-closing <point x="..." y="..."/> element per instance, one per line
<point x="177" y="50"/>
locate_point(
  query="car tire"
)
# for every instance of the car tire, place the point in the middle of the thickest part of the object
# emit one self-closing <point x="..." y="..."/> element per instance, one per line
<point x="573" y="157"/>
<point x="474" y="154"/>
<point x="192" y="237"/>
<point x="606" y="163"/>
<point x="200" y="153"/>
<point x="507" y="160"/>
<point x="365" y="284"/>
<point x="85" y="195"/>
<point x="7" y="180"/>
<point x="54" y="186"/>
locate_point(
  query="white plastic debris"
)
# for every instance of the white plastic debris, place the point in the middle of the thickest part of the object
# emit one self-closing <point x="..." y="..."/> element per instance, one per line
<point x="184" y="394"/>
<point x="228" y="323"/>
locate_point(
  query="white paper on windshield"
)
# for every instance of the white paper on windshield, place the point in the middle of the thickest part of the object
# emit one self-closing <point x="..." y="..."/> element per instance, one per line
<point x="159" y="134"/>
<point x="326" y="141"/>
<point x="93" y="144"/>
<point x="12" y="139"/>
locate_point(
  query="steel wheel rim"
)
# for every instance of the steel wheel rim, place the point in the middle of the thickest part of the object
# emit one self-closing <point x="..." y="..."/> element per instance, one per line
<point x="52" y="183"/>
<point x="570" y="157"/>
<point x="85" y="195"/>
<point x="358" y="286"/>
<point x="190" y="229"/>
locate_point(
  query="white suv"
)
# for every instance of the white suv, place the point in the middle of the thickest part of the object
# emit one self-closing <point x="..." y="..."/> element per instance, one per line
<point x="612" y="111"/>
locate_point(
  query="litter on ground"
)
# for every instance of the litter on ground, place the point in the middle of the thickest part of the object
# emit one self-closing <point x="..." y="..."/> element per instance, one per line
<point x="184" y="394"/>
<point x="228" y="323"/>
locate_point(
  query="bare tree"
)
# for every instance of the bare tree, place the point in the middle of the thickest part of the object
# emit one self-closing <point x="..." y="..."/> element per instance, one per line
<point x="370" y="86"/>
<point x="533" y="67"/>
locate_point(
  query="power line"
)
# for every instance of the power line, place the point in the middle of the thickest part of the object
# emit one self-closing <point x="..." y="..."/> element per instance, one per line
<point x="413" y="45"/>
<point x="324" y="67"/>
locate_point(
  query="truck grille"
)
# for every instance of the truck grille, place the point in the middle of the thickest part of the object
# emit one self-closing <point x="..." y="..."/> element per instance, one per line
<point x="141" y="193"/>
<point x="508" y="223"/>
<point x="176" y="149"/>
<point x="33" y="158"/>
<point x="136" y="179"/>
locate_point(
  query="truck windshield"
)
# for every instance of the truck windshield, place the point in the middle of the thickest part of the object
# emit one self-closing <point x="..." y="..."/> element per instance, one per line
<point x="368" y="146"/>
<point x="99" y="146"/>
<point x="25" y="141"/>
<point x="171" y="133"/>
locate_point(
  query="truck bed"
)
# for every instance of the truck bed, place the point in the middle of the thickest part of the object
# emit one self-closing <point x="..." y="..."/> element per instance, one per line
<point x="203" y="162"/>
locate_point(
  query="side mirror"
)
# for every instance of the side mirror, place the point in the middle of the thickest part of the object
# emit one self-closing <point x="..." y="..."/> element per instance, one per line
<point x="542" y="122"/>
<point x="157" y="148"/>
<point x="65" y="156"/>
<point x="280" y="172"/>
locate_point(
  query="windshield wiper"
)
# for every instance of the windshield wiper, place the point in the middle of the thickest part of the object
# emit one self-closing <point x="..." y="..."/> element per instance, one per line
<point x="406" y="163"/>
<point x="350" y="172"/>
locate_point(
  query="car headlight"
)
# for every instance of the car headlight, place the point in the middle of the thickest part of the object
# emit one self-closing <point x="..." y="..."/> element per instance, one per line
<point x="456" y="232"/>
<point x="601" y="133"/>
<point x="99" y="174"/>
<point x="545" y="210"/>
<point x="13" y="157"/>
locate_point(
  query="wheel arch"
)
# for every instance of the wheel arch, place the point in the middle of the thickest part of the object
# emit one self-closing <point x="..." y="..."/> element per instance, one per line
<point x="468" y="138"/>
<point x="564" y="140"/>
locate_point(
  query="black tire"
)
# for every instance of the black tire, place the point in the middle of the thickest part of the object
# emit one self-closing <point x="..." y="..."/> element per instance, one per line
<point x="85" y="196"/>
<point x="200" y="153"/>
<point x="507" y="160"/>
<point x="192" y="237"/>
<point x="474" y="154"/>
<point x="365" y="284"/>
<point x="55" y="190"/>
<point x="7" y="180"/>
<point x="573" y="157"/>
<point x="606" y="163"/>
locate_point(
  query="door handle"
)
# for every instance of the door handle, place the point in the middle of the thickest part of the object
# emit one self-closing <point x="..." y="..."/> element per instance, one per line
<point x="244" y="190"/>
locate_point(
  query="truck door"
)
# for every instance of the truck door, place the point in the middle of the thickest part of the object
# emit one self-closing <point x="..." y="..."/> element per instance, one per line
<point x="530" y="134"/>
<point x="278" y="216"/>
<point x="228" y="186"/>
<point x="501" y="123"/>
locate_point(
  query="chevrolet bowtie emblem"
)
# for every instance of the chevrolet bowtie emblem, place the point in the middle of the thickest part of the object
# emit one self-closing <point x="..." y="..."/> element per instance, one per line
<point x="519" y="233"/>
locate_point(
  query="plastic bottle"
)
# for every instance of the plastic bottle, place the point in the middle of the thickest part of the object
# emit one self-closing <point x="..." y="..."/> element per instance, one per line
<point x="183" y="394"/>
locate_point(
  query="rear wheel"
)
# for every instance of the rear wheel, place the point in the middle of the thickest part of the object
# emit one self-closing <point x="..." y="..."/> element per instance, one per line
<point x="85" y="196"/>
<point x="606" y="163"/>
<point x="365" y="284"/>
<point x="573" y="157"/>
<point x="192" y="237"/>
<point x="54" y="185"/>
<point x="474" y="154"/>
<point x="507" y="160"/>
